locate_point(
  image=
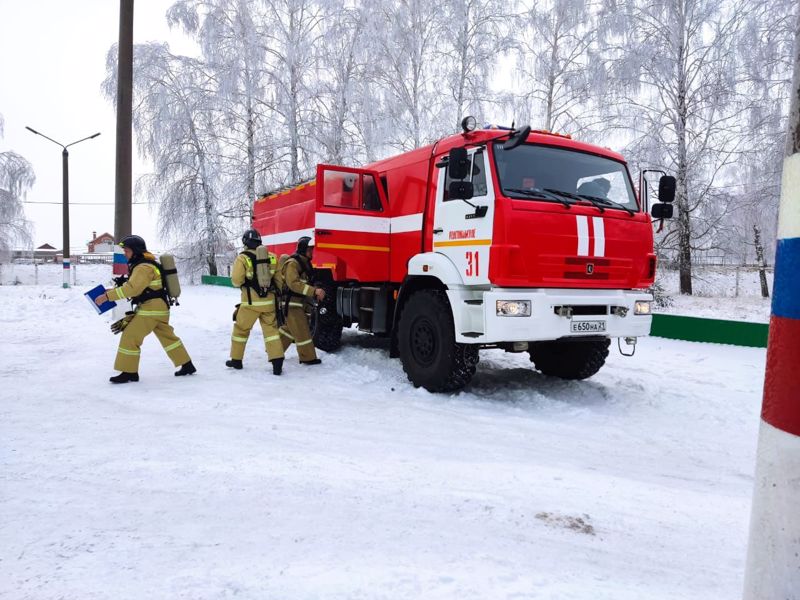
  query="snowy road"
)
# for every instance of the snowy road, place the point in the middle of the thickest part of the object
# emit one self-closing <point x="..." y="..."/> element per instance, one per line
<point x="346" y="482"/>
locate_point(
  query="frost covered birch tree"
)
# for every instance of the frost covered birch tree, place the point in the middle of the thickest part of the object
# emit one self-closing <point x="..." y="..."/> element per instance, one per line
<point x="558" y="64"/>
<point x="766" y="54"/>
<point x="411" y="31"/>
<point x="16" y="178"/>
<point x="292" y="34"/>
<point x="176" y="124"/>
<point x="227" y="32"/>
<point x="683" y="105"/>
<point x="344" y="63"/>
<point x="474" y="36"/>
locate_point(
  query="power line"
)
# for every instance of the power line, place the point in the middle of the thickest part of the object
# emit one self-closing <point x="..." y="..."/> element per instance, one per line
<point x="89" y="203"/>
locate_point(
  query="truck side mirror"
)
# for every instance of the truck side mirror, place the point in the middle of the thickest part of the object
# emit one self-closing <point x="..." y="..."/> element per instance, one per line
<point x="666" y="189"/>
<point x="518" y="137"/>
<point x="461" y="190"/>
<point x="458" y="164"/>
<point x="662" y="210"/>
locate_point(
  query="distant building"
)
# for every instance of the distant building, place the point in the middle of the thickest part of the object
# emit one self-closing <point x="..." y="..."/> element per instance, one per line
<point x="46" y="252"/>
<point x="101" y="243"/>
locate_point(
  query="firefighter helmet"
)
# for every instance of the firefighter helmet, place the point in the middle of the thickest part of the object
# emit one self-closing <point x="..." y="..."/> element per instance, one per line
<point x="303" y="244"/>
<point x="251" y="239"/>
<point x="134" y="243"/>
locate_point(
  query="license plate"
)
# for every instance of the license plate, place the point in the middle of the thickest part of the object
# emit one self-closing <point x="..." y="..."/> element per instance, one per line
<point x="587" y="326"/>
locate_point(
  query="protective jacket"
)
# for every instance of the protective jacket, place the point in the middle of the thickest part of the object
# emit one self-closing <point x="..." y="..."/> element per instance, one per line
<point x="297" y="275"/>
<point x="145" y="289"/>
<point x="144" y="286"/>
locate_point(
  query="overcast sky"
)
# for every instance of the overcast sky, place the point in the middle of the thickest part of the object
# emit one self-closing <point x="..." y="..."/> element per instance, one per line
<point x="52" y="62"/>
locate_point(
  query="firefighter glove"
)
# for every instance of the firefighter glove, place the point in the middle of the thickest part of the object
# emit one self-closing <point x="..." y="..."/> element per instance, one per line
<point x="118" y="326"/>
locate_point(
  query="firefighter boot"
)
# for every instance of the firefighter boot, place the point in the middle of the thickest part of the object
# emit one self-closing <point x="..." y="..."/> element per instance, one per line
<point x="277" y="366"/>
<point x="124" y="377"/>
<point x="234" y="363"/>
<point x="316" y="361"/>
<point x="186" y="369"/>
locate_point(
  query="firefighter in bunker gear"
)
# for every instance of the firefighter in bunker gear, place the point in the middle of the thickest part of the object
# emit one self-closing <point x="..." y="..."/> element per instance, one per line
<point x="297" y="274"/>
<point x="145" y="290"/>
<point x="257" y="304"/>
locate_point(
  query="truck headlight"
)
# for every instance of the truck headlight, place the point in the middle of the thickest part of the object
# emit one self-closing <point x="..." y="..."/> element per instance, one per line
<point x="513" y="308"/>
<point x="641" y="307"/>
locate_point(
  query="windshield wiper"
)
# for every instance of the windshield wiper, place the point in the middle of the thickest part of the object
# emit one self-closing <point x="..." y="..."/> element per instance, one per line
<point x="595" y="199"/>
<point x="541" y="194"/>
<point x="576" y="197"/>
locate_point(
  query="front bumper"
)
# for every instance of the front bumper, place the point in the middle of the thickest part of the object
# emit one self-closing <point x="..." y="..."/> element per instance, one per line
<point x="476" y="320"/>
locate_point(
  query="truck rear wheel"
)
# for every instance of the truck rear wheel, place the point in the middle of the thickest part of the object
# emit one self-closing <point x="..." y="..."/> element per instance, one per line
<point x="326" y="323"/>
<point x="569" y="360"/>
<point x="431" y="357"/>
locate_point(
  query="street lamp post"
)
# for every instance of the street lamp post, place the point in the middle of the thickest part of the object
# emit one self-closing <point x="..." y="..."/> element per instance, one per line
<point x="65" y="190"/>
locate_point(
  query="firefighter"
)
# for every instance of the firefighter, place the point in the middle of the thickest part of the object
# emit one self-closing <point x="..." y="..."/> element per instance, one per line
<point x="257" y="305"/>
<point x="145" y="290"/>
<point x="297" y="275"/>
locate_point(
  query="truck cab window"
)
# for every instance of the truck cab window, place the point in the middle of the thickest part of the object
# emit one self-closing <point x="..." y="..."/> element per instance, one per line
<point x="342" y="190"/>
<point x="371" y="199"/>
<point x="477" y="176"/>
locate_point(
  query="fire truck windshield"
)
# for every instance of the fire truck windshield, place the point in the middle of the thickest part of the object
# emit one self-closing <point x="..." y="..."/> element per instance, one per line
<point x="528" y="169"/>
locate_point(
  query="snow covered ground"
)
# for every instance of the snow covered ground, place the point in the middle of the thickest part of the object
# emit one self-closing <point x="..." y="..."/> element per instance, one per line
<point x="717" y="295"/>
<point x="343" y="481"/>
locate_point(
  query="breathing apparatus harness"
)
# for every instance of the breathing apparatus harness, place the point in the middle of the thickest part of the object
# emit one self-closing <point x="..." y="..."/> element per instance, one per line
<point x="150" y="293"/>
<point x="251" y="283"/>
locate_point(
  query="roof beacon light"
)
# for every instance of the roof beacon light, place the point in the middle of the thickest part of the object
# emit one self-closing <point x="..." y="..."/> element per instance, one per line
<point x="469" y="123"/>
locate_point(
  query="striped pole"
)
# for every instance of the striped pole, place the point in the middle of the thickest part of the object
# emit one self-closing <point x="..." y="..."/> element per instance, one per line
<point x="120" y="267"/>
<point x="773" y="557"/>
<point x="65" y="268"/>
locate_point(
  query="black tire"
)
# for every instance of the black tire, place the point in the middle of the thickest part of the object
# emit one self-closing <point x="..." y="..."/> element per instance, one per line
<point x="569" y="360"/>
<point x="431" y="357"/>
<point x="326" y="323"/>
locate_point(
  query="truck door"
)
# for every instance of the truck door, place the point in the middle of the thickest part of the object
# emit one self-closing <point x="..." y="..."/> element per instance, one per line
<point x="351" y="224"/>
<point x="457" y="232"/>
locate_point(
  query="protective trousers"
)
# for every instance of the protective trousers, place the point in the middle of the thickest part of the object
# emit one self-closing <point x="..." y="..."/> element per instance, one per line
<point x="296" y="330"/>
<point x="246" y="317"/>
<point x="143" y="323"/>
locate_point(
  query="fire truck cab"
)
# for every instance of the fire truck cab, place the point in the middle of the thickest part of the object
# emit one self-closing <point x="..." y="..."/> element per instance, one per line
<point x="511" y="239"/>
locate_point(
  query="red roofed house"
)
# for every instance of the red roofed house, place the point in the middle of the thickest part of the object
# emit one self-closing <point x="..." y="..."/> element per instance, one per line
<point x="101" y="243"/>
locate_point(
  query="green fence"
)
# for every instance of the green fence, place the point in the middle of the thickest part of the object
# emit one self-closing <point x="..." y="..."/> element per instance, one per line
<point x="694" y="329"/>
<point x="675" y="327"/>
<point x="216" y="280"/>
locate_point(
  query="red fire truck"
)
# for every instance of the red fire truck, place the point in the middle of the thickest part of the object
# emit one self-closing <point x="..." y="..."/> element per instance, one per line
<point x="492" y="238"/>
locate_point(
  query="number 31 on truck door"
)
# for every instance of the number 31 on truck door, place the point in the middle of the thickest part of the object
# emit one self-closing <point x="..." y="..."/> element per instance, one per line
<point x="473" y="263"/>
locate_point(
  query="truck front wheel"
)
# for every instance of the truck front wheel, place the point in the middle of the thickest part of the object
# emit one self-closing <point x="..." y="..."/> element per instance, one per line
<point x="431" y="357"/>
<point x="326" y="323"/>
<point x="569" y="359"/>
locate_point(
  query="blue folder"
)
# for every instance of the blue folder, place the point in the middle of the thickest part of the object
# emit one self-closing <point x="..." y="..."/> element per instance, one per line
<point x="93" y="293"/>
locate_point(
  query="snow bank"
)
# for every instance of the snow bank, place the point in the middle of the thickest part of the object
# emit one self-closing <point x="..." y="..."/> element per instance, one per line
<point x="343" y="481"/>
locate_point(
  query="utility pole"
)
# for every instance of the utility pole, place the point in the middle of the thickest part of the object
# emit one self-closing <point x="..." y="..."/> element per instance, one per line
<point x="123" y="181"/>
<point x="65" y="254"/>
<point x="773" y="557"/>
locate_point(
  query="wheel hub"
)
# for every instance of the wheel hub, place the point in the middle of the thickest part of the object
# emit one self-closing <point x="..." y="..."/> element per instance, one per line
<point x="423" y="341"/>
